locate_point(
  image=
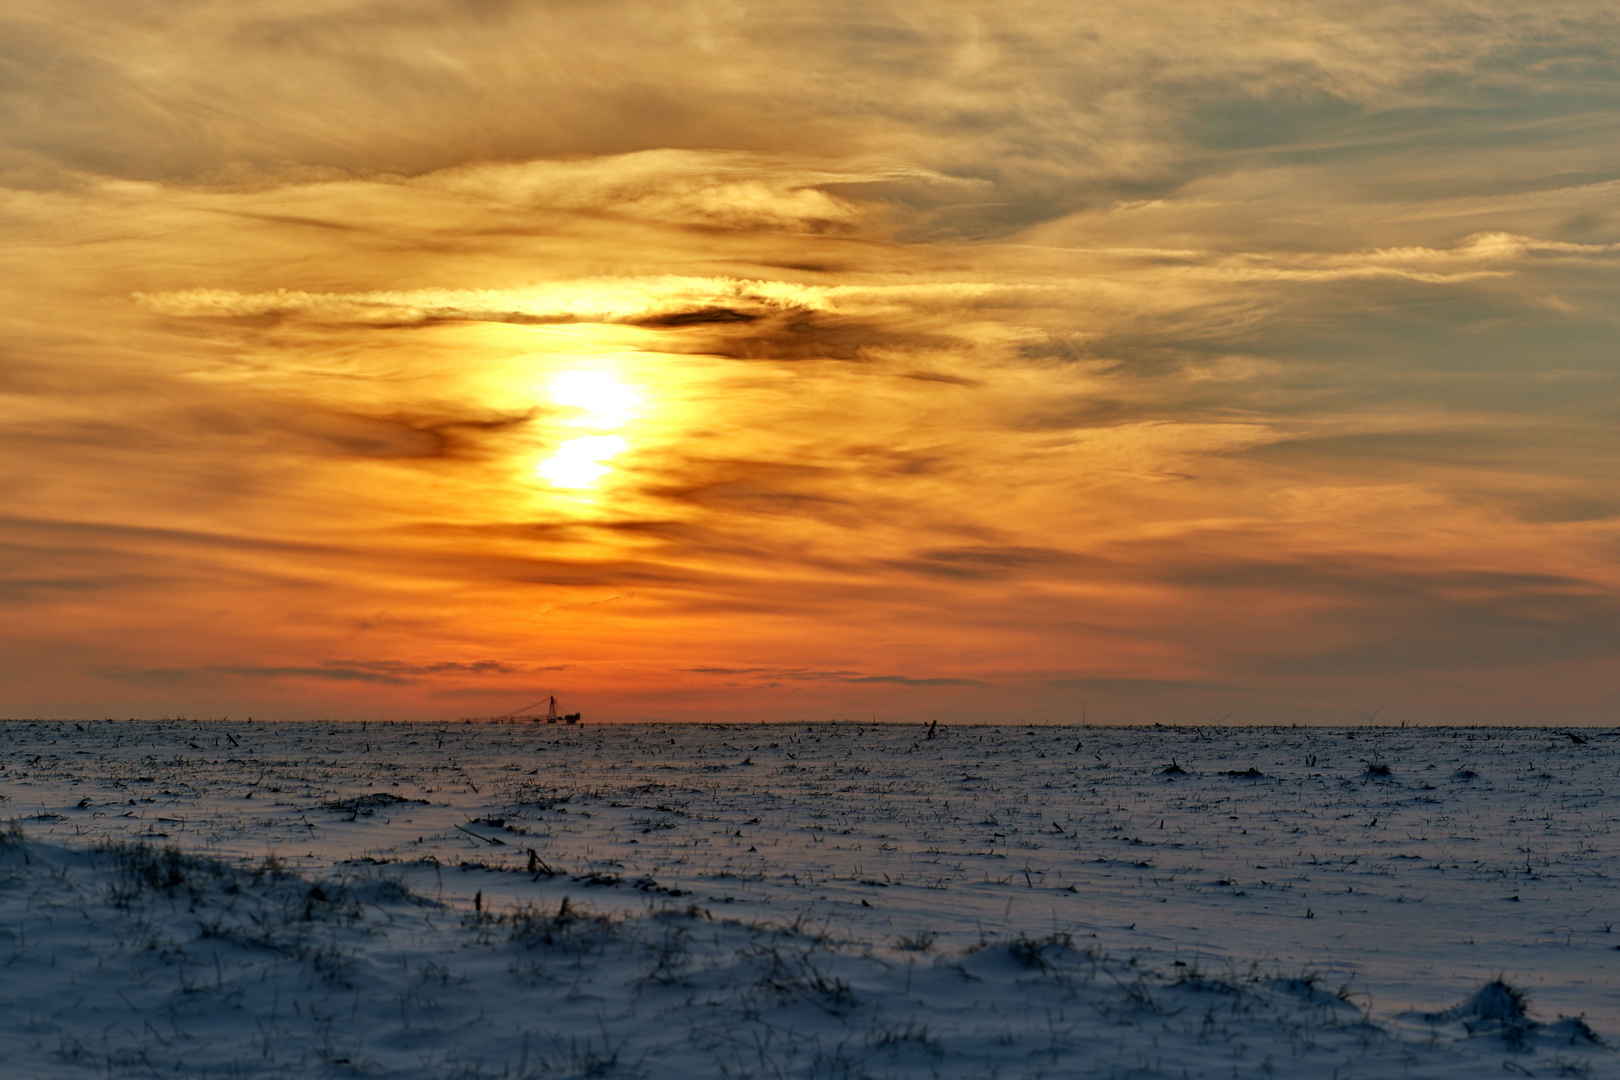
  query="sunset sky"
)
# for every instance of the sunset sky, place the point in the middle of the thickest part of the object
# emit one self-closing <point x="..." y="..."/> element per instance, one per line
<point x="1015" y="361"/>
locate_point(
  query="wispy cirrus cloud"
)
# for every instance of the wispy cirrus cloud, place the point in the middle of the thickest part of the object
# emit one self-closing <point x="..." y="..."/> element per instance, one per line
<point x="386" y="672"/>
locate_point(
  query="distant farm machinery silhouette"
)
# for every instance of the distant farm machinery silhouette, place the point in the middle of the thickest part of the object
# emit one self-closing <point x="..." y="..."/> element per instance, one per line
<point x="530" y="714"/>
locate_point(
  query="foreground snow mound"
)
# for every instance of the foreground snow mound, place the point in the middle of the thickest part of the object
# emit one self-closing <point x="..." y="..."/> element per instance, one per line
<point x="134" y="960"/>
<point x="1502" y="1010"/>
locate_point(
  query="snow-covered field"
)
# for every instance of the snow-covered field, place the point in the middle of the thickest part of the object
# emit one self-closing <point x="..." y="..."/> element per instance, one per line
<point x="230" y="899"/>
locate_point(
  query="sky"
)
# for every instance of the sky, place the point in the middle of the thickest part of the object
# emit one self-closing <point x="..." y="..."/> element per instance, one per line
<point x="1181" y="362"/>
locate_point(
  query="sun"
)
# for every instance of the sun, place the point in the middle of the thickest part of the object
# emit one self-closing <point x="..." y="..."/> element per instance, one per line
<point x="578" y="462"/>
<point x="604" y="403"/>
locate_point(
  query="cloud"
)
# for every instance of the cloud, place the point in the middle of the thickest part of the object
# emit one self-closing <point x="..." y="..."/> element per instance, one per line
<point x="903" y="680"/>
<point x="1051" y="109"/>
<point x="384" y="672"/>
<point x="662" y="302"/>
<point x="712" y="189"/>
<point x="336" y="674"/>
<point x="157" y="676"/>
<point x="851" y="677"/>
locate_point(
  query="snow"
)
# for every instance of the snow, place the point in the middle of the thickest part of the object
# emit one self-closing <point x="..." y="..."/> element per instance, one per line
<point x="813" y="900"/>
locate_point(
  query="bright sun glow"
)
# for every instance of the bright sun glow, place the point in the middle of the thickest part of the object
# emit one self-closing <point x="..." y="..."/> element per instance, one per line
<point x="578" y="462"/>
<point x="605" y="401"/>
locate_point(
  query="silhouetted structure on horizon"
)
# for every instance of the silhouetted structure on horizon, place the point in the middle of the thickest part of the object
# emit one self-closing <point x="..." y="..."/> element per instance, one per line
<point x="530" y="714"/>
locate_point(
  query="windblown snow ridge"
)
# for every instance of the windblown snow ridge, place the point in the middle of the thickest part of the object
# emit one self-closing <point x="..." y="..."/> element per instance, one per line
<point x="128" y="959"/>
